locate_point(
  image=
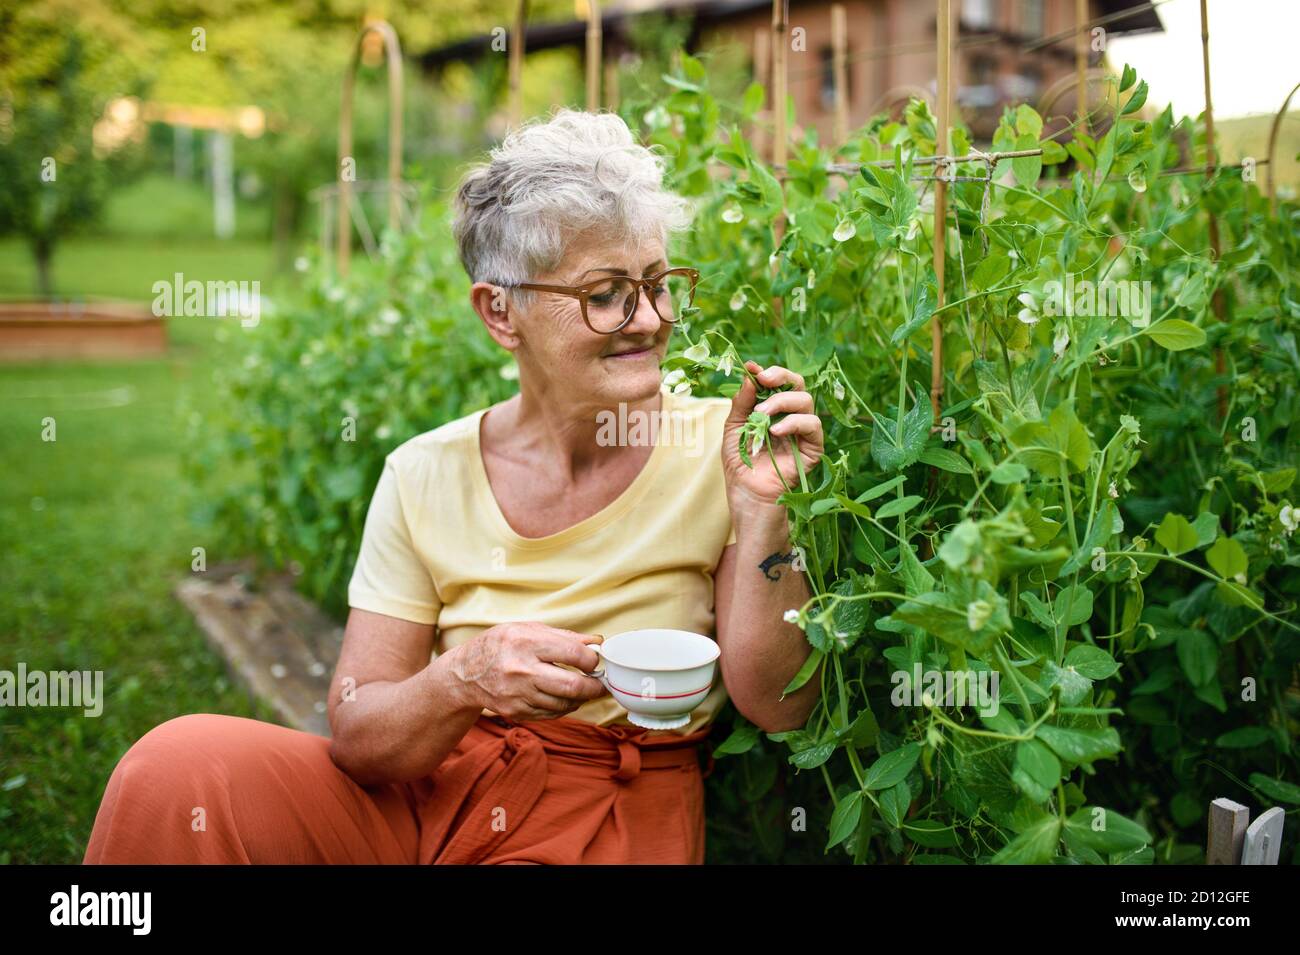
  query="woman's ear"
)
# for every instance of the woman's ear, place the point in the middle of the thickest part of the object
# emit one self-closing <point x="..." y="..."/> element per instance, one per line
<point x="491" y="302"/>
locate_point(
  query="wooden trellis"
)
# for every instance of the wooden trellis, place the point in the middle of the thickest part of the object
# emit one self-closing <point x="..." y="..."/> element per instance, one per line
<point x="346" y="181"/>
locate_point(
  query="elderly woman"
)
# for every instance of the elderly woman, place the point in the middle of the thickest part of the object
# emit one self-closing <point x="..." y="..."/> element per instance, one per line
<point x="508" y="541"/>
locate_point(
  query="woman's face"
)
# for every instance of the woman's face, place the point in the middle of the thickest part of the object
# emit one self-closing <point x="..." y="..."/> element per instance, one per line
<point x="557" y="347"/>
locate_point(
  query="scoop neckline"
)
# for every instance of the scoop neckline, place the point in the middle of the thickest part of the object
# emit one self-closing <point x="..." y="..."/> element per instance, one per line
<point x="588" y="525"/>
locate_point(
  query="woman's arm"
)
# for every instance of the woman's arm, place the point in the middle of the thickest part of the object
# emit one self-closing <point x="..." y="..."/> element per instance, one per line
<point x="396" y="715"/>
<point x="755" y="585"/>
<point x="756" y="582"/>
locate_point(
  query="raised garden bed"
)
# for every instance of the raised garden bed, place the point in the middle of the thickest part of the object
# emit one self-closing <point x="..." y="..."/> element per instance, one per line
<point x="34" y="331"/>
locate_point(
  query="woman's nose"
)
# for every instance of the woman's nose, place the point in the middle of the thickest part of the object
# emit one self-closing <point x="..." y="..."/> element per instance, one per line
<point x="645" y="320"/>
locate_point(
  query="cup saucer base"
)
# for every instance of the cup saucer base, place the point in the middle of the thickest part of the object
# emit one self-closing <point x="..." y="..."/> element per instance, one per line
<point x="658" y="722"/>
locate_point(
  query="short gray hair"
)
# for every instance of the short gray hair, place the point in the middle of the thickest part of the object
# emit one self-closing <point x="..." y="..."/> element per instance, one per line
<point x="552" y="180"/>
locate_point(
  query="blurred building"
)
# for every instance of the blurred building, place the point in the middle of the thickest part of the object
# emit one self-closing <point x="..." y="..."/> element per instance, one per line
<point x="1005" y="51"/>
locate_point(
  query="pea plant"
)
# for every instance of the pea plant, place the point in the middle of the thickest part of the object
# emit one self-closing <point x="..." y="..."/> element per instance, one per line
<point x="1092" y="535"/>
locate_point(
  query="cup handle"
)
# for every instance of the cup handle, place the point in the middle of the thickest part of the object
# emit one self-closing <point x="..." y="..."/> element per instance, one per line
<point x="599" y="672"/>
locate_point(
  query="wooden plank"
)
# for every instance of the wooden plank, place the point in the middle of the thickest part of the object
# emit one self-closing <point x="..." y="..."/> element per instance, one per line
<point x="1263" y="840"/>
<point x="279" y="646"/>
<point x="1227" y="831"/>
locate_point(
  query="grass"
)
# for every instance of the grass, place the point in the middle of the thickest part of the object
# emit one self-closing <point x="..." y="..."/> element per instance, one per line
<point x="96" y="532"/>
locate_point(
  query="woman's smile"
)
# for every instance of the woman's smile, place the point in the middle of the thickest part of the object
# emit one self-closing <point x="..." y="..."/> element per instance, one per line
<point x="636" y="354"/>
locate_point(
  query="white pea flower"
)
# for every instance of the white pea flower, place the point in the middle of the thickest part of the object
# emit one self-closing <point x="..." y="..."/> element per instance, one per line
<point x="1290" y="518"/>
<point x="674" y="377"/>
<point x="756" y="446"/>
<point x="682" y="388"/>
<point x="1029" y="314"/>
<point x="336" y="293"/>
<point x="845" y="231"/>
<point x="1112" y="490"/>
<point x="390" y="315"/>
<point x="509" y="372"/>
<point x="837" y="389"/>
<point x="1062" y="340"/>
<point x="697" y="352"/>
<point x="1013" y="255"/>
<point x="792" y="616"/>
<point x="732" y="214"/>
<point x="978" y="613"/>
<point x="1137" y="180"/>
<point x="725" y="363"/>
<point x="738" y="300"/>
<point x="383" y="432"/>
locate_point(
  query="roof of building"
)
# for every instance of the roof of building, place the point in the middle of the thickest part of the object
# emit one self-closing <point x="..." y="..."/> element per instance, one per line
<point x="1138" y="17"/>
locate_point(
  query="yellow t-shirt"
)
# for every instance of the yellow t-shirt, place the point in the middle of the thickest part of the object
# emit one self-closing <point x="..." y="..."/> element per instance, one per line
<point x="437" y="549"/>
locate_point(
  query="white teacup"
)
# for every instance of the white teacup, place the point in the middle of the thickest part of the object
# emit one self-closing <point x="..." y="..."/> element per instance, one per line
<point x="659" y="676"/>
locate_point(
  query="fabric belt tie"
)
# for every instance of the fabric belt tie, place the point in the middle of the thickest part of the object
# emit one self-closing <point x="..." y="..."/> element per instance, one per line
<point x="521" y="782"/>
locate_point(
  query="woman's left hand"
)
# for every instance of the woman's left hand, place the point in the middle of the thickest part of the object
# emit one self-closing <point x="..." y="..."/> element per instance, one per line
<point x="761" y="485"/>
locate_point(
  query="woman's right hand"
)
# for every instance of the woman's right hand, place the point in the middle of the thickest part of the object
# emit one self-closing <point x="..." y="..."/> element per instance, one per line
<point x="509" y="669"/>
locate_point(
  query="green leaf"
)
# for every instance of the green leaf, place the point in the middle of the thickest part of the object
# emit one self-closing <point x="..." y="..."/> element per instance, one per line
<point x="922" y="309"/>
<point x="741" y="740"/>
<point x="1037" y="770"/>
<point x="1176" y="535"/>
<point x="1206" y="526"/>
<point x="1034" y="846"/>
<point x="1104" y="831"/>
<point x="870" y="494"/>
<point x="1073" y="684"/>
<point x="1080" y="745"/>
<point x="1027" y="169"/>
<point x="894" y="803"/>
<point x="893" y="453"/>
<point x="898" y="506"/>
<point x="1136" y="100"/>
<point x="1276" y="788"/>
<point x="845" y="818"/>
<point x="1244" y="738"/>
<point x="1198" y="655"/>
<point x="1127" y="78"/>
<point x="1227" y="557"/>
<point x="1093" y="662"/>
<point x="1009" y="472"/>
<point x="1176" y="334"/>
<point x="946" y="460"/>
<point x="805" y="672"/>
<point x="893" y="767"/>
<point x="752" y="101"/>
<point x="1073" y="606"/>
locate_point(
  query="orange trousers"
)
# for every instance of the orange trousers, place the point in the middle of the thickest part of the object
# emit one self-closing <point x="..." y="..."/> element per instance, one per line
<point x="207" y="788"/>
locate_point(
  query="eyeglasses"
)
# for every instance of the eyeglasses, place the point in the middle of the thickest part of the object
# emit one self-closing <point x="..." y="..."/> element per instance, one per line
<point x="608" y="304"/>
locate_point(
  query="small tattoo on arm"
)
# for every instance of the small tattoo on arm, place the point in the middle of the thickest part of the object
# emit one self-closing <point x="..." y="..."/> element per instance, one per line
<point x="777" y="558"/>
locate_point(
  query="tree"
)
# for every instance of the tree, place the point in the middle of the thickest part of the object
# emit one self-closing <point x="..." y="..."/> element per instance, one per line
<point x="61" y="63"/>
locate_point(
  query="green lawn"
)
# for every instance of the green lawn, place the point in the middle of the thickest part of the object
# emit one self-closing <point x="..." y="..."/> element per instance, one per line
<point x="96" y="531"/>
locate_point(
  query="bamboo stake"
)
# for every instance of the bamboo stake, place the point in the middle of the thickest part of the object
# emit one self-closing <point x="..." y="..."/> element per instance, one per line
<point x="780" y="45"/>
<point x="1216" y="300"/>
<point x="611" y="83"/>
<point x="943" y="78"/>
<point x="517" y="63"/>
<point x="840" y="70"/>
<point x="393" y="54"/>
<point x="1081" y="59"/>
<point x="593" y="55"/>
<point x="762" y="74"/>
